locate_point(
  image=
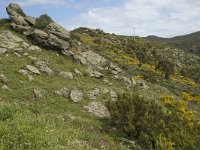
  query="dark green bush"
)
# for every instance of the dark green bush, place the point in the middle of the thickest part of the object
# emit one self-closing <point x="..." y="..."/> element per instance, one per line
<point x="43" y="21"/>
<point x="152" y="125"/>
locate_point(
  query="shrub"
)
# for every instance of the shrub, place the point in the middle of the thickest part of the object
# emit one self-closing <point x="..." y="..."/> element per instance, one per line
<point x="170" y="126"/>
<point x="43" y="21"/>
<point x="138" y="118"/>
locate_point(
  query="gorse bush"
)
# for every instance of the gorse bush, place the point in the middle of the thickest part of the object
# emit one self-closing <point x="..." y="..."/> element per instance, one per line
<point x="43" y="21"/>
<point x="155" y="126"/>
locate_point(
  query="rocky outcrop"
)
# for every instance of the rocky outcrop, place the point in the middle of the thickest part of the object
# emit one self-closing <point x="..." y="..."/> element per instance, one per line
<point x="76" y="96"/>
<point x="97" y="109"/>
<point x="53" y="36"/>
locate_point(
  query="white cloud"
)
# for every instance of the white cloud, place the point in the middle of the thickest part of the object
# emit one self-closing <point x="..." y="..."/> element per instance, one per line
<point x="68" y="3"/>
<point x="164" y="18"/>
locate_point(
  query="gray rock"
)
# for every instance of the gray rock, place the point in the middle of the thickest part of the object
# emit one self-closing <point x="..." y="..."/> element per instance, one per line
<point x="20" y="28"/>
<point x="44" y="67"/>
<point x="115" y="69"/>
<point x="38" y="93"/>
<point x="143" y="85"/>
<point x="113" y="95"/>
<point x="68" y="75"/>
<point x="63" y="92"/>
<point x="24" y="72"/>
<point x="3" y="78"/>
<point x="2" y="50"/>
<point x="31" y="21"/>
<point x="105" y="91"/>
<point x="34" y="48"/>
<point x="94" y="73"/>
<point x="33" y="69"/>
<point x="5" y="87"/>
<point x="94" y="93"/>
<point x="107" y="82"/>
<point x="94" y="58"/>
<point x="78" y="71"/>
<point x="76" y="96"/>
<point x="58" y="30"/>
<point x="18" y="55"/>
<point x="30" y="78"/>
<point x="133" y="81"/>
<point x="97" y="109"/>
<point x="40" y="36"/>
<point x="126" y="81"/>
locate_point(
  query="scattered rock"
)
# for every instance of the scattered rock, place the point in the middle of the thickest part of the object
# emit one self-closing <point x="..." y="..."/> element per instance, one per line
<point x="18" y="55"/>
<point x="94" y="73"/>
<point x="94" y="93"/>
<point x="24" y="72"/>
<point x="94" y="58"/>
<point x="143" y="85"/>
<point x="44" y="67"/>
<point x="107" y="82"/>
<point x="105" y="91"/>
<point x="2" y="50"/>
<point x="115" y="69"/>
<point x="30" y="78"/>
<point x="97" y="109"/>
<point x="33" y="69"/>
<point x="3" y="79"/>
<point x="5" y="87"/>
<point x="113" y="95"/>
<point x="63" y="92"/>
<point x="34" y="48"/>
<point x="78" y="71"/>
<point x="68" y="75"/>
<point x="38" y="93"/>
<point x="76" y="96"/>
<point x="126" y="81"/>
<point x="133" y="81"/>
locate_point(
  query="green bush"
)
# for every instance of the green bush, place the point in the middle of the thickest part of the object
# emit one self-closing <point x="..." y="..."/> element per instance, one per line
<point x="5" y="113"/>
<point x="43" y="21"/>
<point x="152" y="125"/>
<point x="138" y="118"/>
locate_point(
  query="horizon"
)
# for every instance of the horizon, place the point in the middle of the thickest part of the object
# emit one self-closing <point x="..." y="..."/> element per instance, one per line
<point x="164" y="19"/>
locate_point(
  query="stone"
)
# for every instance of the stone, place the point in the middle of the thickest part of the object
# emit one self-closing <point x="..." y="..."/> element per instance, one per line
<point x="78" y="71"/>
<point x="58" y="30"/>
<point x="76" y="96"/>
<point x="44" y="67"/>
<point x="94" y="73"/>
<point x="94" y="58"/>
<point x="105" y="91"/>
<point x="68" y="75"/>
<point x="94" y="93"/>
<point x="40" y="36"/>
<point x="16" y="14"/>
<point x="33" y="69"/>
<point x="115" y="69"/>
<point x="20" y="28"/>
<point x="5" y="87"/>
<point x="2" y="50"/>
<point x="63" y="92"/>
<point x="24" y="72"/>
<point x="31" y="21"/>
<point x="143" y="85"/>
<point x="126" y="81"/>
<point x="97" y="109"/>
<point x="30" y="78"/>
<point x="3" y="79"/>
<point x="107" y="82"/>
<point x="113" y="95"/>
<point x="34" y="48"/>
<point x="133" y="81"/>
<point x="18" y="55"/>
<point x="38" y="93"/>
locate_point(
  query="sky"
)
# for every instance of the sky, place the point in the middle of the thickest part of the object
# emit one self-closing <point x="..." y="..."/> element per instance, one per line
<point x="165" y="18"/>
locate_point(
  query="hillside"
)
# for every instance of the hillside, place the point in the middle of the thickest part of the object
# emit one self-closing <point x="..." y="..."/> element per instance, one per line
<point x="189" y="42"/>
<point x="87" y="89"/>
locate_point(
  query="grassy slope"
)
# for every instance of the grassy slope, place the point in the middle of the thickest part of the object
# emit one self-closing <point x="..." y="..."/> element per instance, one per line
<point x="48" y="122"/>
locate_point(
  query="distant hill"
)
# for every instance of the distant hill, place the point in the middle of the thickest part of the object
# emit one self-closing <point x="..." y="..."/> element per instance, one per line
<point x="189" y="42"/>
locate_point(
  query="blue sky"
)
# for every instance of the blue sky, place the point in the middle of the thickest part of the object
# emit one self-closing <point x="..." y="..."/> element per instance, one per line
<point x="164" y="18"/>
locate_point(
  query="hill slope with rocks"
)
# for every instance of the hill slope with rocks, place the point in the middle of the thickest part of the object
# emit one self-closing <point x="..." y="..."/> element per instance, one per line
<point x="59" y="87"/>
